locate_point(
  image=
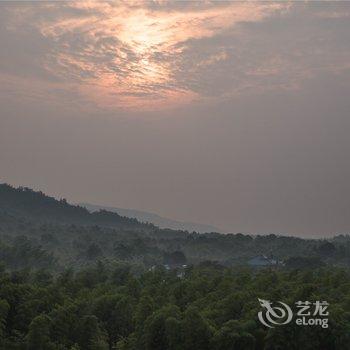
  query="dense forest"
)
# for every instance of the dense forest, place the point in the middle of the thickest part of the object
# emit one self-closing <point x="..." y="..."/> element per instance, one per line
<point x="210" y="308"/>
<point x="71" y="279"/>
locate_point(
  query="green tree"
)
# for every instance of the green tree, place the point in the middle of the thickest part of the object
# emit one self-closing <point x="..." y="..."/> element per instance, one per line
<point x="89" y="333"/>
<point x="38" y="337"/>
<point x="115" y="315"/>
<point x="4" y="309"/>
<point x="157" y="333"/>
<point x="232" y="336"/>
<point x="196" y="331"/>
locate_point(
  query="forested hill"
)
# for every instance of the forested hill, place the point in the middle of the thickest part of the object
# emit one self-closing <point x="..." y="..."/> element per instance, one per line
<point x="38" y="231"/>
<point x="118" y="284"/>
<point x="32" y="205"/>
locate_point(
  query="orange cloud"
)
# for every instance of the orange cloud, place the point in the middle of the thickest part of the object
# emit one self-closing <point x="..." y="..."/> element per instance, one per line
<point x="126" y="56"/>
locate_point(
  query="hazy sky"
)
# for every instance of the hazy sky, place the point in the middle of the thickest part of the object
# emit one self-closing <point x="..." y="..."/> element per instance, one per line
<point x="231" y="114"/>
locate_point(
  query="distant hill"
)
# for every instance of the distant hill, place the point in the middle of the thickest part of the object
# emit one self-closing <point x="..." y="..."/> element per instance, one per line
<point x="155" y="219"/>
<point x="33" y="205"/>
<point x="39" y="231"/>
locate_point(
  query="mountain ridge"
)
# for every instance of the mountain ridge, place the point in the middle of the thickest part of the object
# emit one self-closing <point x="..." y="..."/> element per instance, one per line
<point x="27" y="203"/>
<point x="155" y="219"/>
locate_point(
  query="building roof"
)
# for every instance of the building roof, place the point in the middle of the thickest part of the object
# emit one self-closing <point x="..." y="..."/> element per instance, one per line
<point x="262" y="260"/>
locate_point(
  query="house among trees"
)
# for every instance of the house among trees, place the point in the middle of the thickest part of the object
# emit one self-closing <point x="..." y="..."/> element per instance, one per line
<point x="263" y="261"/>
<point x="174" y="260"/>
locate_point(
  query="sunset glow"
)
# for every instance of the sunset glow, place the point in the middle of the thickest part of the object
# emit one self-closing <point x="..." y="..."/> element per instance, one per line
<point x="130" y="55"/>
<point x="159" y="55"/>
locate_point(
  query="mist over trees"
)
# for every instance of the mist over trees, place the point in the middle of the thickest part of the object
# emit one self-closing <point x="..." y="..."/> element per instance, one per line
<point x="41" y="232"/>
<point x="74" y="280"/>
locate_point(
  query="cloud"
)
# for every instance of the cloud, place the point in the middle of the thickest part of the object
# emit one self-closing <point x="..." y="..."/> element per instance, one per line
<point x="155" y="55"/>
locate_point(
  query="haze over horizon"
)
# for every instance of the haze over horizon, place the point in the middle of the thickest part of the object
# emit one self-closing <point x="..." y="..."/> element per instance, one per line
<point x="229" y="114"/>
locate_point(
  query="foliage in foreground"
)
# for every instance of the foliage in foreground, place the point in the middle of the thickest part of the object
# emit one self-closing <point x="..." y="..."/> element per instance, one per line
<point x="210" y="308"/>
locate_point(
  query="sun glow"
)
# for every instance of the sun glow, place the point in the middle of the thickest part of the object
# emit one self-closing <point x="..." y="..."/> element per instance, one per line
<point x="130" y="55"/>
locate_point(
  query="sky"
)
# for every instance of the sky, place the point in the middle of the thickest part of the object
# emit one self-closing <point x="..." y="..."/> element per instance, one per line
<point x="225" y="113"/>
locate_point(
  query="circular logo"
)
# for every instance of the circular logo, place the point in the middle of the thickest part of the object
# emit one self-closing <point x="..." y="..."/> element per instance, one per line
<point x="274" y="315"/>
